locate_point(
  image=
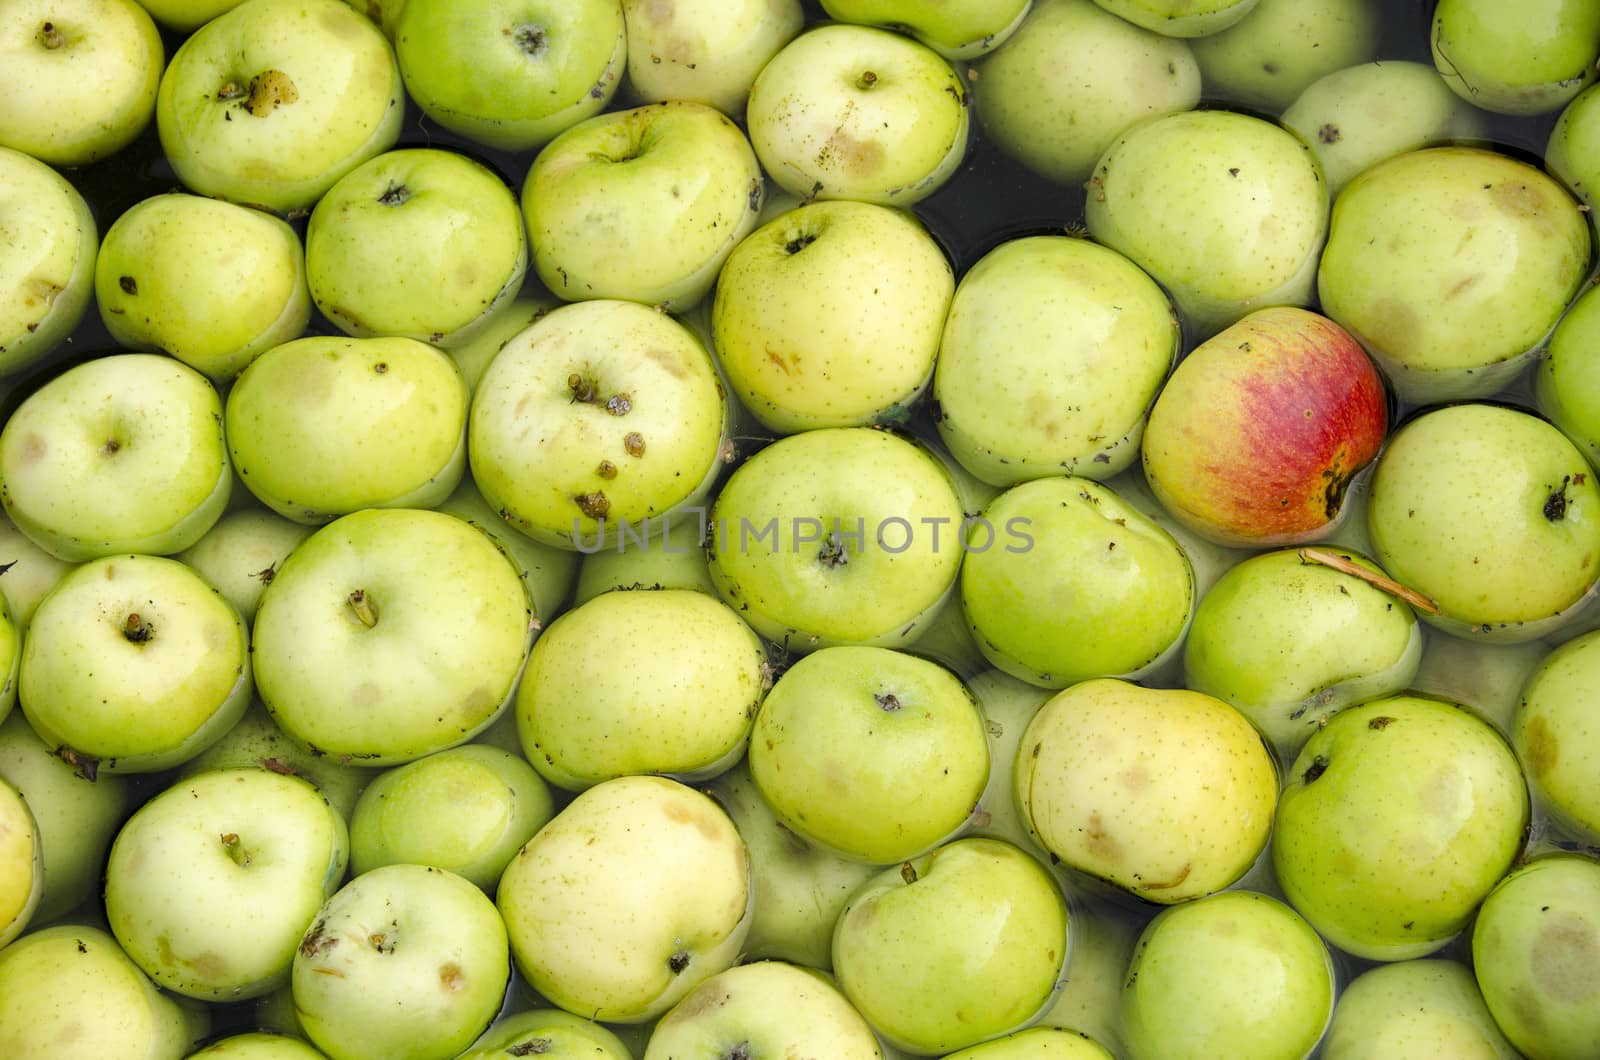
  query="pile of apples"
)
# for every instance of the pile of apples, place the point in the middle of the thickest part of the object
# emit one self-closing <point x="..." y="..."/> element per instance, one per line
<point x="726" y="529"/>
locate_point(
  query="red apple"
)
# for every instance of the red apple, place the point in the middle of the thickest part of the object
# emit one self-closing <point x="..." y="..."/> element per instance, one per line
<point x="1259" y="431"/>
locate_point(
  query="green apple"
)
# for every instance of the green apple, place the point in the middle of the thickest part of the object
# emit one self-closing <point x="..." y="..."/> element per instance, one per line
<point x="259" y="1045"/>
<point x="1569" y="153"/>
<point x="672" y="558"/>
<point x="1566" y="383"/>
<point x="854" y="112"/>
<point x="48" y="242"/>
<point x="709" y="51"/>
<point x="830" y="315"/>
<point x="210" y="884"/>
<point x="633" y="895"/>
<point x="21" y="863"/>
<point x="135" y="662"/>
<point x="1008" y="411"/>
<point x="27" y="573"/>
<point x="211" y="283"/>
<point x="643" y="204"/>
<point x="845" y="535"/>
<point x="481" y="346"/>
<point x="511" y="74"/>
<point x="389" y="634"/>
<point x="83" y="77"/>
<point x="270" y="103"/>
<point x="548" y="1032"/>
<point x="966" y="943"/>
<point x="1164" y="793"/>
<point x="1041" y="1042"/>
<point x="1536" y="951"/>
<point x="1290" y="641"/>
<point x="405" y="960"/>
<point x="420" y="242"/>
<point x="323" y="426"/>
<point x="765" y="1008"/>
<point x="548" y="573"/>
<point x="602" y="416"/>
<point x="256" y="740"/>
<point x="1396" y="819"/>
<point x="1414" y="1010"/>
<point x="1209" y="559"/>
<point x="122" y="453"/>
<point x="1530" y="62"/>
<point x="872" y="753"/>
<point x="1493" y="514"/>
<point x="242" y="552"/>
<point x="1064" y="581"/>
<point x="1452" y="265"/>
<point x="1557" y="736"/>
<point x="966" y="29"/>
<point x="1237" y="974"/>
<point x="1270" y="56"/>
<point x="383" y="13"/>
<point x="1236" y="225"/>
<point x="1181" y="18"/>
<point x="50" y="977"/>
<point x="185" y="16"/>
<point x="10" y="657"/>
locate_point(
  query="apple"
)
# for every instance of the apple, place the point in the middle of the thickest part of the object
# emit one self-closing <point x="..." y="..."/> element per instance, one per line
<point x="271" y="102"/>
<point x="1238" y="974"/>
<point x="633" y="895"/>
<point x="325" y="425"/>
<point x="963" y="30"/>
<point x="855" y="112"/>
<point x="1566" y="385"/>
<point x="405" y="960"/>
<point x="1236" y="226"/>
<point x="1047" y="1042"/>
<point x="548" y="573"/>
<point x="389" y="634"/>
<point x="672" y="557"/>
<point x="21" y="863"/>
<point x="27" y="573"/>
<point x="966" y="943"/>
<point x="1209" y="559"/>
<point x="1010" y="412"/>
<point x="48" y="242"/>
<point x="511" y="74"/>
<point x="1557" y="737"/>
<point x="1515" y="65"/>
<point x="642" y="204"/>
<point x="708" y="51"/>
<point x="1493" y="514"/>
<point x="1181" y="18"/>
<point x="1270" y="56"/>
<point x="1569" y="151"/>
<point x="256" y="740"/>
<point x="259" y="1045"/>
<point x="830" y="315"/>
<point x="83" y="76"/>
<point x="764" y="1008"/>
<point x="1104" y="934"/>
<point x="242" y="552"/>
<point x="1452" y="265"/>
<point x="420" y="242"/>
<point x="1396" y="819"/>
<point x="1007" y="705"/>
<point x="1414" y="1010"/>
<point x="548" y="1032"/>
<point x="134" y="663"/>
<point x="383" y="13"/>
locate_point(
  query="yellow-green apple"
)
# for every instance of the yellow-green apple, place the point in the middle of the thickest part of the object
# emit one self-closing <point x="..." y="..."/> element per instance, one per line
<point x="1181" y="18"/>
<point x="633" y="895"/>
<point x="1414" y="1010"/>
<point x="326" y="425"/>
<point x="1289" y="641"/>
<point x="603" y="415"/>
<point x="1008" y="414"/>
<point x="135" y="662"/>
<point x="1536" y="952"/>
<point x="256" y="740"/>
<point x="671" y="558"/>
<point x="548" y="573"/>
<point x="643" y="204"/>
<point x="830" y="315"/>
<point x="185" y="16"/>
<point x="678" y="701"/>
<point x="548" y="1032"/>
<point x="1530" y="62"/>
<point x="966" y="29"/>
<point x="1493" y="514"/>
<point x="871" y="753"/>
<point x="1236" y="974"/>
<point x="45" y="979"/>
<point x="855" y="112"/>
<point x="1396" y="819"/>
<point x="1235" y="225"/>
<point x="468" y="809"/>
<point x="845" y="535"/>
<point x="10" y="658"/>
<point x="966" y="943"/>
<point x="405" y="960"/>
<point x="383" y="13"/>
<point x="82" y="74"/>
<point x="764" y="1008"/>
<point x="1556" y="734"/>
<point x="511" y="74"/>
<point x="1569" y="153"/>
<point x="242" y="552"/>
<point x="709" y="51"/>
<point x="1071" y="78"/>
<point x="1270" y="56"/>
<point x="1567" y="381"/>
<point x="21" y="863"/>
<point x="259" y="1045"/>
<point x="211" y="884"/>
<point x="1036" y="1042"/>
<point x="420" y="242"/>
<point x="1452" y="265"/>
<point x="48" y="242"/>
<point x="76" y="816"/>
<point x="1209" y="559"/>
<point x="1164" y="793"/>
<point x="1064" y="581"/>
<point x="27" y="573"/>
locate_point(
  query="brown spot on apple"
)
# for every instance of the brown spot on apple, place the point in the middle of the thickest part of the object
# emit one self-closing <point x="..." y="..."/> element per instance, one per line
<point x="1097" y="841"/>
<point x="1523" y="200"/>
<point x="1540" y="747"/>
<point x="689" y="815"/>
<point x="451" y="977"/>
<point x="1168" y="884"/>
<point x="269" y="90"/>
<point x="1565" y="958"/>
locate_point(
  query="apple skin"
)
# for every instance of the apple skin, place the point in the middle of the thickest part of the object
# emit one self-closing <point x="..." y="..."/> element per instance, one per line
<point x="30" y="573"/>
<point x="548" y="1032"/>
<point x="1527" y="63"/>
<point x="674" y="559"/>
<point x="242" y="552"/>
<point x="256" y="740"/>
<point x="259" y="1045"/>
<point x="1570" y="152"/>
<point x="1181" y="18"/>
<point x="47" y="269"/>
<point x="21" y="863"/>
<point x="1396" y="819"/>
<point x="1566" y="383"/>
<point x="1256" y="436"/>
<point x="962" y="30"/>
<point x="1036" y="1042"/>
<point x="1414" y="1010"/>
<point x="550" y="574"/>
<point x="1555" y="734"/>
<point x="1270" y="56"/>
<point x="709" y="51"/>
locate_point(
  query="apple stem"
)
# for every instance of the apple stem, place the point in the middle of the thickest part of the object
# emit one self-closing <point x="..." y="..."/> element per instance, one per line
<point x="50" y="37"/>
<point x="361" y="604"/>
<point x="529" y="39"/>
<point x="866" y="80"/>
<point x="908" y="872"/>
<point x="1345" y="565"/>
<point x="235" y="850"/>
<point x="136" y="629"/>
<point x="394" y="195"/>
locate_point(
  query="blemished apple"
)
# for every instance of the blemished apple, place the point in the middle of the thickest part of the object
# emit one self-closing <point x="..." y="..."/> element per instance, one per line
<point x="257" y="741"/>
<point x="855" y="112"/>
<point x="1557" y="736"/>
<point x="48" y="243"/>
<point x="1164" y="793"/>
<point x="1515" y="65"/>
<point x="643" y="204"/>
<point x="709" y="51"/>
<point x="1270" y="56"/>
<point x="1414" y="1010"/>
<point x="1396" y="819"/>
<point x="966" y="29"/>
<point x="1181" y="18"/>
<point x="122" y="453"/>
<point x="21" y="863"/>
<point x="271" y="102"/>
<point x="548" y="1032"/>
